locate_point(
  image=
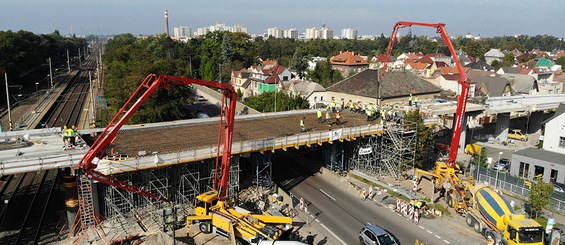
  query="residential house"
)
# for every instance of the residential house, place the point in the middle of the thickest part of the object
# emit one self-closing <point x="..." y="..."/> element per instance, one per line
<point x="522" y="84"/>
<point x="307" y="90"/>
<point x="410" y="56"/>
<point x="240" y="82"/>
<point x="479" y="65"/>
<point x="379" y="61"/>
<point x="450" y="82"/>
<point x="515" y="52"/>
<point x="261" y="78"/>
<point x="491" y="86"/>
<point x="348" y="62"/>
<point x="492" y="55"/>
<point x="312" y="62"/>
<point x="366" y="86"/>
<point x="416" y="68"/>
<point x="508" y="69"/>
<point x="548" y="161"/>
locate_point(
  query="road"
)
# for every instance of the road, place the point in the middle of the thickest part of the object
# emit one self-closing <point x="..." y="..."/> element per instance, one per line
<point x="344" y="213"/>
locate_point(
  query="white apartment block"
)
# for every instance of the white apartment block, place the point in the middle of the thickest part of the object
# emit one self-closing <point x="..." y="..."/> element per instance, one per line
<point x="182" y="32"/>
<point x="326" y="33"/>
<point x="274" y="32"/>
<point x="312" y="33"/>
<point x="290" y="33"/>
<point x="220" y="27"/>
<point x="349" y="33"/>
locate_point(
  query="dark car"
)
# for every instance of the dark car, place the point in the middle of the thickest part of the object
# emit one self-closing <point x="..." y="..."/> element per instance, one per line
<point x="372" y="234"/>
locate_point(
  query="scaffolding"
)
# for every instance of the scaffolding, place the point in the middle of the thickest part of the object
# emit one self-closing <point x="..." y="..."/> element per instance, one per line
<point x="365" y="156"/>
<point x="398" y="150"/>
<point x="180" y="183"/>
<point x="388" y="155"/>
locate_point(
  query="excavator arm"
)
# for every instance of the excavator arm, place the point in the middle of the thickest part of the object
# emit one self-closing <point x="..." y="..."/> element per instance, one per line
<point x="461" y="101"/>
<point x="149" y="85"/>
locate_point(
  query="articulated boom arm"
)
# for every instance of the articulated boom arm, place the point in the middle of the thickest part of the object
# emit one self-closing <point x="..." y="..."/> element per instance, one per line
<point x="142" y="94"/>
<point x="461" y="101"/>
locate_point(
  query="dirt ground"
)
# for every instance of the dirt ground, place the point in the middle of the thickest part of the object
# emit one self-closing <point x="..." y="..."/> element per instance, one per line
<point x="177" y="138"/>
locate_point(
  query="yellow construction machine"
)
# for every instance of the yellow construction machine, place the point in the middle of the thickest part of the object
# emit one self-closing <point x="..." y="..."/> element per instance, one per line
<point x="237" y="224"/>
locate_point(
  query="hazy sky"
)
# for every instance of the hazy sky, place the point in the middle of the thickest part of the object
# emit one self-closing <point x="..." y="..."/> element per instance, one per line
<point x="485" y="17"/>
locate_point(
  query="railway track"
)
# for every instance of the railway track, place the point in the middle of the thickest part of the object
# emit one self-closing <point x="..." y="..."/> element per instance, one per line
<point x="24" y="218"/>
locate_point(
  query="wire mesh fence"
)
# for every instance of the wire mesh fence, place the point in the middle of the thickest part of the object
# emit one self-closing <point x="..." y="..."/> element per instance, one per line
<point x="504" y="180"/>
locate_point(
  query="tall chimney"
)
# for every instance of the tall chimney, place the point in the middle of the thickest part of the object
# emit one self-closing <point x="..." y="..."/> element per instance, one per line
<point x="167" y="22"/>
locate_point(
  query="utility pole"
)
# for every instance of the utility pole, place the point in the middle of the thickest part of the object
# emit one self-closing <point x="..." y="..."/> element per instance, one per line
<point x="68" y="61"/>
<point x="79" y="61"/>
<point x="91" y="98"/>
<point x="8" y="102"/>
<point x="50" y="72"/>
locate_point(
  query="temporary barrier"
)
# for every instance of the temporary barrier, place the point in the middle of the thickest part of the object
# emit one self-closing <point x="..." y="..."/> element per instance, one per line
<point x="417" y="216"/>
<point x="364" y="194"/>
<point x="397" y="205"/>
<point x="301" y="203"/>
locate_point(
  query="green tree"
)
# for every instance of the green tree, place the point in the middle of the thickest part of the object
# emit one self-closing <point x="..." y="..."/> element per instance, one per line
<point x="508" y="60"/>
<point x="481" y="158"/>
<point x="265" y="102"/>
<point x="300" y="61"/>
<point x="540" y="195"/>
<point x="561" y="61"/>
<point x="424" y="134"/>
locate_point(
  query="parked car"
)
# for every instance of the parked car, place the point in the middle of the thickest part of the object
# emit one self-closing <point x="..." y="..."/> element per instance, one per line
<point x="502" y="165"/>
<point x="485" y="138"/>
<point x="558" y="187"/>
<point x="372" y="234"/>
<point x="517" y="135"/>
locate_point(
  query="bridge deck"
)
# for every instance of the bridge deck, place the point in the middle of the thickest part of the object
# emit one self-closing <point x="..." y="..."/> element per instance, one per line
<point x="184" y="137"/>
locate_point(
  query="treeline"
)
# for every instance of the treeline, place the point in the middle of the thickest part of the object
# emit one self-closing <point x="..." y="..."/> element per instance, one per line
<point x="23" y="52"/>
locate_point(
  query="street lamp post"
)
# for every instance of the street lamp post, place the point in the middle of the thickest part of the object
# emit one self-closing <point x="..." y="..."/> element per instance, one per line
<point x="497" y="167"/>
<point x="50" y="72"/>
<point x="8" y="102"/>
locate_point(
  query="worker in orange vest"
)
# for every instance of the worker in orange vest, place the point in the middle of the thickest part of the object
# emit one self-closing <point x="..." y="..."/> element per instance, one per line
<point x="337" y="118"/>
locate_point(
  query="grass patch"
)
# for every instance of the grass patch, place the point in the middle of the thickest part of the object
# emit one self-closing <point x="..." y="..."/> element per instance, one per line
<point x="541" y="220"/>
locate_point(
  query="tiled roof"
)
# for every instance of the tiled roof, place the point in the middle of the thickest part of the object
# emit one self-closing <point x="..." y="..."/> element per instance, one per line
<point x="394" y="84"/>
<point x="348" y="59"/>
<point x="451" y="77"/>
<point x="479" y="65"/>
<point x="473" y="73"/>
<point x="451" y="69"/>
<point x="543" y="62"/>
<point x="495" y="85"/>
<point x="525" y="71"/>
<point x="415" y="65"/>
<point x="509" y="69"/>
<point x="269" y="62"/>
<point x="521" y="83"/>
<point x="440" y="64"/>
<point x="494" y="53"/>
<point x="383" y="58"/>
<point x="413" y="55"/>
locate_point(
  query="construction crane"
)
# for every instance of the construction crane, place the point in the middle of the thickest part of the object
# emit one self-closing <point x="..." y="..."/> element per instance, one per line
<point x="151" y="83"/>
<point x="485" y="210"/>
<point x="461" y="101"/>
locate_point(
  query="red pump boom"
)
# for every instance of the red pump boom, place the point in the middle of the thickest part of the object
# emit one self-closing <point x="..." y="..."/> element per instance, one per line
<point x="143" y="92"/>
<point x="461" y="101"/>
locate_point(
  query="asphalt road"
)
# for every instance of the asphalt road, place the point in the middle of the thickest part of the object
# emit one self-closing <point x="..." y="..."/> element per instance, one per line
<point x="345" y="214"/>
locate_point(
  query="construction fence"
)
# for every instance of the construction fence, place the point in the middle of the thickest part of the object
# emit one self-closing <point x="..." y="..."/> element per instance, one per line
<point x="515" y="185"/>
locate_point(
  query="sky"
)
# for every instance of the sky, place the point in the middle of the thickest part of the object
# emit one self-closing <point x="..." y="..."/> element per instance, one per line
<point x="486" y="18"/>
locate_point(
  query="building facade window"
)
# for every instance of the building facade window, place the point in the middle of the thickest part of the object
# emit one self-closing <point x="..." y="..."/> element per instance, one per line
<point x="562" y="142"/>
<point x="554" y="174"/>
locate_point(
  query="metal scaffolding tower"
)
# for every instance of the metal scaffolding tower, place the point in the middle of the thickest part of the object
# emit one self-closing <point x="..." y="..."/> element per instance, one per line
<point x="398" y="149"/>
<point x="388" y="155"/>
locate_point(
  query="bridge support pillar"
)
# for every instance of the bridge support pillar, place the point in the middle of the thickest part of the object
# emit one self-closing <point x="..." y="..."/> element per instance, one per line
<point x="463" y="137"/>
<point x="502" y="124"/>
<point x="534" y="122"/>
<point x="71" y="197"/>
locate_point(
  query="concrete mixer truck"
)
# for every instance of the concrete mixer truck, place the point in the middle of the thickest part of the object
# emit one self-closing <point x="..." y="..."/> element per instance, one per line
<point x="491" y="215"/>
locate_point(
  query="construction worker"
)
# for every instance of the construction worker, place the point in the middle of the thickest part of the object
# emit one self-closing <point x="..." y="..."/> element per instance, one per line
<point x="319" y="116"/>
<point x="337" y="118"/>
<point x="410" y="100"/>
<point x="69" y="134"/>
<point x="328" y="118"/>
<point x="65" y="135"/>
<point x="74" y="134"/>
<point x="302" y="127"/>
<point x="333" y="106"/>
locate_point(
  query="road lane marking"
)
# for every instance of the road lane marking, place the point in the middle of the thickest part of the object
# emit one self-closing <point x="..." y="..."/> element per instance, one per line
<point x="446" y="241"/>
<point x="438" y="237"/>
<point x="333" y="234"/>
<point x="421" y="227"/>
<point x="368" y="223"/>
<point x="312" y="216"/>
<point x="325" y="193"/>
<point x="429" y="231"/>
<point x="317" y="220"/>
